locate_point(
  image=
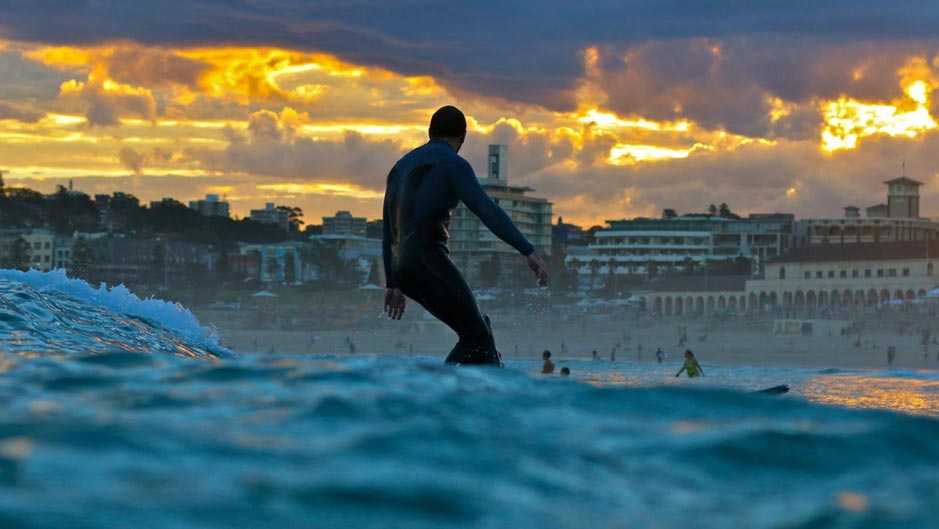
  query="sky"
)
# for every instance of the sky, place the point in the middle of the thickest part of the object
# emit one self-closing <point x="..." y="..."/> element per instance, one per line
<point x="611" y="109"/>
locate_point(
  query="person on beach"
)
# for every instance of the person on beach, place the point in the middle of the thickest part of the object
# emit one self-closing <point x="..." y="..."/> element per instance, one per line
<point x="660" y="355"/>
<point x="691" y="366"/>
<point x="548" y="366"/>
<point x="421" y="191"/>
<point x="565" y="371"/>
<point x="595" y="355"/>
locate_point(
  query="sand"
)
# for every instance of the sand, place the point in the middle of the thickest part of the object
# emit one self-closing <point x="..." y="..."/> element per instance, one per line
<point x="521" y="336"/>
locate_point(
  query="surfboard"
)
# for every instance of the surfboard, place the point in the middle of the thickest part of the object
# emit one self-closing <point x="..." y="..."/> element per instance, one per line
<point x="775" y="390"/>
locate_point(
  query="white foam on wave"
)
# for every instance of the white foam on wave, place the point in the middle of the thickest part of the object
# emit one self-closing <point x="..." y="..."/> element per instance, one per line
<point x="118" y="299"/>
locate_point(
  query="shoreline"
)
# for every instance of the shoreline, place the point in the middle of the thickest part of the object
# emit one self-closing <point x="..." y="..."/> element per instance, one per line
<point x="729" y="342"/>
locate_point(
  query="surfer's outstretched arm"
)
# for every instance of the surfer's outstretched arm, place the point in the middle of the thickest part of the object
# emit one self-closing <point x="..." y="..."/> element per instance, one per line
<point x="679" y="371"/>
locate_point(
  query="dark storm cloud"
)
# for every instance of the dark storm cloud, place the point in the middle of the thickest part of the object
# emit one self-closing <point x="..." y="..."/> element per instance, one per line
<point x="517" y="51"/>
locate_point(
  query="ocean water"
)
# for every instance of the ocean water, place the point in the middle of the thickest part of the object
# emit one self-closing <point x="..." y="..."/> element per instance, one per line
<point x="126" y="413"/>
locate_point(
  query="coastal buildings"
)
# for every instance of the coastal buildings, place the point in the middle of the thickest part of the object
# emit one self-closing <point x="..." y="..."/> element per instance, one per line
<point x="648" y="247"/>
<point x="343" y="223"/>
<point x="281" y="262"/>
<point x="840" y="279"/>
<point x="896" y="220"/>
<point x="210" y="206"/>
<point x="848" y="265"/>
<point x="471" y="242"/>
<point x="155" y="262"/>
<point x="272" y="215"/>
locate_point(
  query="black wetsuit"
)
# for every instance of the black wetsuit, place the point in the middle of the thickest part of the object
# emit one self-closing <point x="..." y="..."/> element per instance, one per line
<point x="422" y="190"/>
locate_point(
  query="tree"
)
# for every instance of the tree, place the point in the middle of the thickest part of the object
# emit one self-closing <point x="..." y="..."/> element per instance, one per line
<point x="83" y="258"/>
<point x="610" y="287"/>
<point x="712" y="210"/>
<point x="669" y="213"/>
<point x="725" y="212"/>
<point x="222" y="267"/>
<point x="290" y="270"/>
<point x="374" y="229"/>
<point x="19" y="255"/>
<point x="560" y="274"/>
<point x="272" y="268"/>
<point x="594" y="270"/>
<point x="158" y="265"/>
<point x="374" y="274"/>
<point x="294" y="218"/>
<point x="489" y="271"/>
<point x="330" y="265"/>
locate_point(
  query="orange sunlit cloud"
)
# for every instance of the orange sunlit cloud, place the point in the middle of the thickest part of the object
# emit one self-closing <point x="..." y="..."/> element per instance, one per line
<point x="127" y="109"/>
<point x="848" y="120"/>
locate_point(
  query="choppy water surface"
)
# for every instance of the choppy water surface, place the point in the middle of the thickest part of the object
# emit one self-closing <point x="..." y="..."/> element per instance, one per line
<point x="124" y="438"/>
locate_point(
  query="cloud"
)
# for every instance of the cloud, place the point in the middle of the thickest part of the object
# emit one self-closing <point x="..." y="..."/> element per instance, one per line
<point x="153" y="67"/>
<point x="26" y="115"/>
<point x="105" y="103"/>
<point x="271" y="149"/>
<point x="528" y="51"/>
<point x="131" y="159"/>
<point x="135" y="160"/>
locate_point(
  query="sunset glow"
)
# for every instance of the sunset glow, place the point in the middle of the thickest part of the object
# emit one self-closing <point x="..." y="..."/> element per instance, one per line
<point x="325" y="127"/>
<point x="847" y="120"/>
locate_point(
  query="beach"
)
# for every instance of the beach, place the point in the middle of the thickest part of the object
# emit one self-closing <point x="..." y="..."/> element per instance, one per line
<point x="521" y="336"/>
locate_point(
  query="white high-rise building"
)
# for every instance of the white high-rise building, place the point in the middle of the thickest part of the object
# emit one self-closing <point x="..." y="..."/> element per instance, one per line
<point x="471" y="242"/>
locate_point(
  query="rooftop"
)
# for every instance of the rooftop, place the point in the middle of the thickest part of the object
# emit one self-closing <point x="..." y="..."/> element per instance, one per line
<point x="871" y="251"/>
<point x="903" y="180"/>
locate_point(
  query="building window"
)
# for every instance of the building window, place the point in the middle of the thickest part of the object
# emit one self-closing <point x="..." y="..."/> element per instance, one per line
<point x="892" y="272"/>
<point x="855" y="273"/>
<point x="818" y="274"/>
<point x="782" y="272"/>
<point x="808" y="275"/>
<point x="880" y="273"/>
<point x="867" y="273"/>
<point x="906" y="272"/>
<point x="929" y="270"/>
<point x="844" y="273"/>
<point x="831" y="273"/>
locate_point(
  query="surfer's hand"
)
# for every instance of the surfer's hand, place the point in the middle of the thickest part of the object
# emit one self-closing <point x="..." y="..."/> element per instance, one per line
<point x="536" y="263"/>
<point x="394" y="303"/>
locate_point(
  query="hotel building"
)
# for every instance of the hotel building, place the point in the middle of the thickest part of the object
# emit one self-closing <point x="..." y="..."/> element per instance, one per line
<point x="471" y="242"/>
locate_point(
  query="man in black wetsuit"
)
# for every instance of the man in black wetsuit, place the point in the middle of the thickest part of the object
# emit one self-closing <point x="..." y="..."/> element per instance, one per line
<point x="422" y="190"/>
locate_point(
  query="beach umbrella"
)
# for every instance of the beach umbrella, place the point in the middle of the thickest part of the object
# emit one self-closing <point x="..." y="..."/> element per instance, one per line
<point x="264" y="294"/>
<point x="934" y="293"/>
<point x="370" y="286"/>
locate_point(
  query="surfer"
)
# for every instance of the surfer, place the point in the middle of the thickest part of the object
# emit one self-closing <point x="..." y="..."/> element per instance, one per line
<point x="422" y="189"/>
<point x="691" y="366"/>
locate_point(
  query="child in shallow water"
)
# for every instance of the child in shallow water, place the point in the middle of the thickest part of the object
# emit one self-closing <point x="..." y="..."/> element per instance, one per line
<point x="691" y="366"/>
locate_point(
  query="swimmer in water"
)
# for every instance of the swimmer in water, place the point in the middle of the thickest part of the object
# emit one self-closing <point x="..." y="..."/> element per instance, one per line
<point x="565" y="371"/>
<point x="548" y="366"/>
<point x="691" y="366"/>
<point x="422" y="190"/>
